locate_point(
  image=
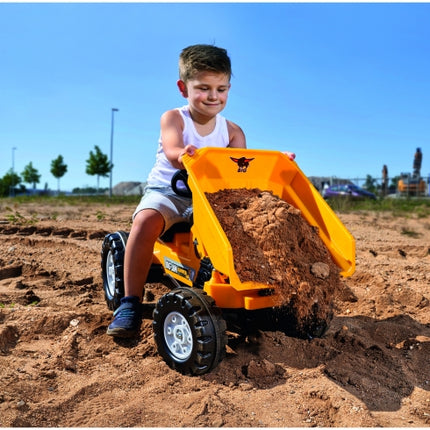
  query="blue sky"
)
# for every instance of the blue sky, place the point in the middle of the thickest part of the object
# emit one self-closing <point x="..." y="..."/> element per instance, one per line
<point x="344" y="85"/>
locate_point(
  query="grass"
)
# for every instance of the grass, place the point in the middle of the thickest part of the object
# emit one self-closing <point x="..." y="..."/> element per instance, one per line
<point x="3" y="305"/>
<point x="404" y="207"/>
<point x="14" y="217"/>
<point x="12" y="209"/>
<point x="70" y="200"/>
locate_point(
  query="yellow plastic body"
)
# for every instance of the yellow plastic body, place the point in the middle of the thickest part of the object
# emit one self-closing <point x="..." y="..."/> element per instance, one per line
<point x="214" y="169"/>
<point x="178" y="257"/>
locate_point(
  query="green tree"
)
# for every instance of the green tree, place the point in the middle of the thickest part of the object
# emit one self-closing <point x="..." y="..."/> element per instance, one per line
<point x="30" y="175"/>
<point x="370" y="184"/>
<point x="394" y="182"/>
<point x="58" y="169"/>
<point x="98" y="164"/>
<point x="8" y="183"/>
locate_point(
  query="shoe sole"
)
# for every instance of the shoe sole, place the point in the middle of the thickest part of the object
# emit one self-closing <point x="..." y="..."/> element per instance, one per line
<point x="120" y="332"/>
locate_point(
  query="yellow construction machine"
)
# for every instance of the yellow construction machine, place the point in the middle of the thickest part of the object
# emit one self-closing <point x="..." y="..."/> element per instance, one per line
<point x="196" y="261"/>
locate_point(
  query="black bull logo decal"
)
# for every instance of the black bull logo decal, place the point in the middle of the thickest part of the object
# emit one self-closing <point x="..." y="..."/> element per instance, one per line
<point x="242" y="163"/>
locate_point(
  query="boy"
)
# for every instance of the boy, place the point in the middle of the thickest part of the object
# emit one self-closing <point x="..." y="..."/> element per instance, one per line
<point x="204" y="80"/>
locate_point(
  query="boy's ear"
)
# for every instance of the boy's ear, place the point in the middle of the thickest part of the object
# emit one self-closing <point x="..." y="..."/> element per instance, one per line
<point x="182" y="88"/>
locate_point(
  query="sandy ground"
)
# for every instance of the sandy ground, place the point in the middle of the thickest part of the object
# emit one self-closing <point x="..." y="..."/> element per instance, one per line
<point x="59" y="368"/>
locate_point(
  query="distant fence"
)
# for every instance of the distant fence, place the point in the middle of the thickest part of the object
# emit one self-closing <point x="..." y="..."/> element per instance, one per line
<point x="321" y="182"/>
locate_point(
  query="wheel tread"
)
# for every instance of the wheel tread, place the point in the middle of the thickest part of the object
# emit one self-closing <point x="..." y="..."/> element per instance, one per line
<point x="115" y="244"/>
<point x="207" y="323"/>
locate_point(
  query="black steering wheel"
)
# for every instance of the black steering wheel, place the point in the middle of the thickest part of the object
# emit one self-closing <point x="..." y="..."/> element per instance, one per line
<point x="181" y="176"/>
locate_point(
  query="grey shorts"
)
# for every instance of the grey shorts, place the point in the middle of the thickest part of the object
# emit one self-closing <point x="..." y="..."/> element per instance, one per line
<point x="172" y="207"/>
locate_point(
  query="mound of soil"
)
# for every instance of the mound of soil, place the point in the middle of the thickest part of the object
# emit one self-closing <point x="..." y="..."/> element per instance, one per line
<point x="274" y="245"/>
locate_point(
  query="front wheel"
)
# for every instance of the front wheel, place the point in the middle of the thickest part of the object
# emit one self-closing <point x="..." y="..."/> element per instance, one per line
<point x="189" y="331"/>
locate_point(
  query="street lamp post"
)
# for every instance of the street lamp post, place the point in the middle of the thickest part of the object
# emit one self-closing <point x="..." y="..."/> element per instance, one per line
<point x="12" y="191"/>
<point x="111" y="151"/>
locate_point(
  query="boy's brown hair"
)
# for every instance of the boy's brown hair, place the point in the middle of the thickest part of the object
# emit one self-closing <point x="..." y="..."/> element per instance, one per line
<point x="203" y="58"/>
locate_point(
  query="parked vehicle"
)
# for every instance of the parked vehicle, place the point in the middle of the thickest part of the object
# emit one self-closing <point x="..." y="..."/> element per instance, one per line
<point x="347" y="190"/>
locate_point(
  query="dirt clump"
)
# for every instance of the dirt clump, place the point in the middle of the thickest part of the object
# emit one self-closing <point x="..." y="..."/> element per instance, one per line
<point x="274" y="245"/>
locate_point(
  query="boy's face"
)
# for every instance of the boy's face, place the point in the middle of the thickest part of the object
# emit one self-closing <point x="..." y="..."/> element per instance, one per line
<point x="206" y="93"/>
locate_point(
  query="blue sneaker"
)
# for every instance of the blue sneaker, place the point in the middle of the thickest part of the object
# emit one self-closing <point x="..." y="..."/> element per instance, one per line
<point x="127" y="318"/>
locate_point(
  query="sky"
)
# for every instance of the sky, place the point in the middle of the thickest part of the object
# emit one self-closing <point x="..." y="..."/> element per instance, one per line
<point x="343" y="85"/>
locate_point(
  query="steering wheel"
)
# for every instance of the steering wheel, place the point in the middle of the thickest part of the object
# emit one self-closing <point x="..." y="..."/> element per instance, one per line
<point x="181" y="176"/>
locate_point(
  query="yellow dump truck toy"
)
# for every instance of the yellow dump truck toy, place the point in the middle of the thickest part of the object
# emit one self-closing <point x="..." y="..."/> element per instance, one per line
<point x="196" y="261"/>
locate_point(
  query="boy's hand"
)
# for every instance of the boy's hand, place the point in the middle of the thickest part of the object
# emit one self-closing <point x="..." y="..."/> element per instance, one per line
<point x="189" y="150"/>
<point x="290" y="155"/>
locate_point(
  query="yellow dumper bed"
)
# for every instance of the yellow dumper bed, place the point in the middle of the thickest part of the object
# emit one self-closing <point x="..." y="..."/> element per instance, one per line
<point x="213" y="169"/>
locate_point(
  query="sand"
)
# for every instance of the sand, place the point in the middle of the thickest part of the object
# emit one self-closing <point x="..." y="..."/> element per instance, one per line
<point x="59" y="368"/>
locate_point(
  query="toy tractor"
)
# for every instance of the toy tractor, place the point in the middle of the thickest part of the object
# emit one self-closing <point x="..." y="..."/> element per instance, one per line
<point x="196" y="261"/>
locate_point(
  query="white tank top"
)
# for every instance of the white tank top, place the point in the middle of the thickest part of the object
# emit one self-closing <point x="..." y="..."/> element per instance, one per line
<point x="162" y="172"/>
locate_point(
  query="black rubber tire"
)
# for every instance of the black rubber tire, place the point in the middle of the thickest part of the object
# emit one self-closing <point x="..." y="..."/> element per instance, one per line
<point x="113" y="249"/>
<point x="195" y="314"/>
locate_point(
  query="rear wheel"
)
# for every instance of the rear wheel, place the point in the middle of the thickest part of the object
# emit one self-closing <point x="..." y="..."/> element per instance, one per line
<point x="113" y="249"/>
<point x="189" y="331"/>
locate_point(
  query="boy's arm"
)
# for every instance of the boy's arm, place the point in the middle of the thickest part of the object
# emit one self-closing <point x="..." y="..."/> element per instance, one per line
<point x="236" y="136"/>
<point x="171" y="125"/>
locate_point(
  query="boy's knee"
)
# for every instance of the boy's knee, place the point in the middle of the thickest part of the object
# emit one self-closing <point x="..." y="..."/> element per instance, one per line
<point x="148" y="220"/>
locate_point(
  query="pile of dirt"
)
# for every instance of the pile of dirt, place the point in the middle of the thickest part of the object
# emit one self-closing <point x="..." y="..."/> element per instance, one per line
<point x="274" y="245"/>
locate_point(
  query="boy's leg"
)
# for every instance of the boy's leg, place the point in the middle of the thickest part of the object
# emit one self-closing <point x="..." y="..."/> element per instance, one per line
<point x="147" y="225"/>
